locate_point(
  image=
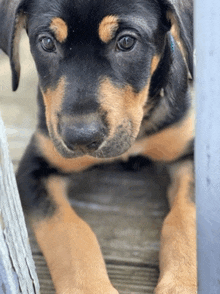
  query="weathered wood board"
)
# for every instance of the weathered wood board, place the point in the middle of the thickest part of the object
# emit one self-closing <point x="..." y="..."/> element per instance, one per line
<point x="17" y="270"/>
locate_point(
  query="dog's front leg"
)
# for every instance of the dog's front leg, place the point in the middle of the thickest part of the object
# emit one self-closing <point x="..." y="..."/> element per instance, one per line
<point x="70" y="247"/>
<point x="178" y="271"/>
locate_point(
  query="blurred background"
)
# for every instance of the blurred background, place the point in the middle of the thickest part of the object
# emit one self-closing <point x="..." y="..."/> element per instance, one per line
<point x="18" y="109"/>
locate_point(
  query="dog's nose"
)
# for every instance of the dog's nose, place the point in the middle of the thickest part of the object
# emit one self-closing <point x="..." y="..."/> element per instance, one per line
<point x="84" y="135"/>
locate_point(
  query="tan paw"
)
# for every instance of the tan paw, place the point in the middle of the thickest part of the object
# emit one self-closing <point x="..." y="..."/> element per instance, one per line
<point x="170" y="287"/>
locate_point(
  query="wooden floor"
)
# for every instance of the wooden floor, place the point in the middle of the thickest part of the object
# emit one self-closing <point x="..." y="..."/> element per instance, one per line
<point x="124" y="203"/>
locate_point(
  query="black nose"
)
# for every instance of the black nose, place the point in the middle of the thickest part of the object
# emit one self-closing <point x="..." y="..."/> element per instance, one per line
<point x="83" y="134"/>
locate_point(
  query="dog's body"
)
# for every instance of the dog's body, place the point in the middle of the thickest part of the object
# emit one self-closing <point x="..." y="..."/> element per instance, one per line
<point x="113" y="81"/>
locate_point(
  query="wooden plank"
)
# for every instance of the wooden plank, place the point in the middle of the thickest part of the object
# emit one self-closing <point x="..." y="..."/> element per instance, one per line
<point x="124" y="208"/>
<point x="129" y="279"/>
<point x="17" y="270"/>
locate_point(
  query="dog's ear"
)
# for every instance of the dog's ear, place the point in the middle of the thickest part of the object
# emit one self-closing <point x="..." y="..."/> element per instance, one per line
<point x="19" y="23"/>
<point x="180" y="16"/>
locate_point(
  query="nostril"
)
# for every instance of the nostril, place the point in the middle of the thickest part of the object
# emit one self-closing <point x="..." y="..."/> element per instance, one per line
<point x="94" y="145"/>
<point x="97" y="139"/>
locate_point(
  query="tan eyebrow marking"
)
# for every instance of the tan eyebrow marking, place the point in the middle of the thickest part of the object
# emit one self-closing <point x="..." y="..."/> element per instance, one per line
<point x="60" y="29"/>
<point x="107" y="28"/>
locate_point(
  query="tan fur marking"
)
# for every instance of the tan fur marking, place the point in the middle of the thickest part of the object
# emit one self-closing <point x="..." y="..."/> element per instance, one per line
<point x="68" y="165"/>
<point x="154" y="63"/>
<point x="182" y="171"/>
<point x="122" y="104"/>
<point x="71" y="249"/>
<point x="60" y="29"/>
<point x="52" y="102"/>
<point x="125" y="103"/>
<point x="178" y="263"/>
<point x="170" y="143"/>
<point x="107" y="27"/>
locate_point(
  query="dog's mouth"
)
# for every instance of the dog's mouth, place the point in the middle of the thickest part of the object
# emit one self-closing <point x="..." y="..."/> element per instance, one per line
<point x="112" y="146"/>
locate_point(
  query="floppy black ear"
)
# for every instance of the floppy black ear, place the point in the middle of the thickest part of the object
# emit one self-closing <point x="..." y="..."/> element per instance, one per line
<point x="180" y="14"/>
<point x="19" y="23"/>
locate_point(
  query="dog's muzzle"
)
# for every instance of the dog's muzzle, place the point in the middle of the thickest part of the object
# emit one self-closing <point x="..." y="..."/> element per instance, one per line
<point x="82" y="135"/>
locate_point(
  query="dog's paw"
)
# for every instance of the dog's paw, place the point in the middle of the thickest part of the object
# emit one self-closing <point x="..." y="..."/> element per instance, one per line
<point x="112" y="291"/>
<point x="89" y="291"/>
<point x="175" y="290"/>
<point x="170" y="287"/>
<point x="106" y="290"/>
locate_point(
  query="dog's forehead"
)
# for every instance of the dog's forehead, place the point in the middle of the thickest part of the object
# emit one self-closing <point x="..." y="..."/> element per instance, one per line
<point x="100" y="8"/>
<point x="86" y="16"/>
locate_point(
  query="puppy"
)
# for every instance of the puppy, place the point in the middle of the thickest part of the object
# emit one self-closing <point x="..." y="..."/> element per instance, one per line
<point x="113" y="81"/>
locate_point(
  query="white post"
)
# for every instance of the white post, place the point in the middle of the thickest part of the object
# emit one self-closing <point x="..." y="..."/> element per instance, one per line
<point x="207" y="146"/>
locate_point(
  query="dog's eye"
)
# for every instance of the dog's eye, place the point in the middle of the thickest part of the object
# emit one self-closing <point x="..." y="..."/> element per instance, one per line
<point x="126" y="43"/>
<point x="47" y="44"/>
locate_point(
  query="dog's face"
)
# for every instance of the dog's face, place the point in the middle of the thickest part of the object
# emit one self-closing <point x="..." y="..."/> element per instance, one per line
<point x="95" y="60"/>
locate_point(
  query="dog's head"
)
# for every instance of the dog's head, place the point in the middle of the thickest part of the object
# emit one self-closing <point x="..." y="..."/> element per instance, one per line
<point x="95" y="60"/>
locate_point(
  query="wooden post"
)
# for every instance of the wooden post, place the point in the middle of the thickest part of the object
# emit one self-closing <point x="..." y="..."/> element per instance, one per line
<point x="207" y="147"/>
<point x="17" y="269"/>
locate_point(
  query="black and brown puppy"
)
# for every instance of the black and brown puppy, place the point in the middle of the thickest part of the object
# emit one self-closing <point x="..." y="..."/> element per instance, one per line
<point x="113" y="81"/>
